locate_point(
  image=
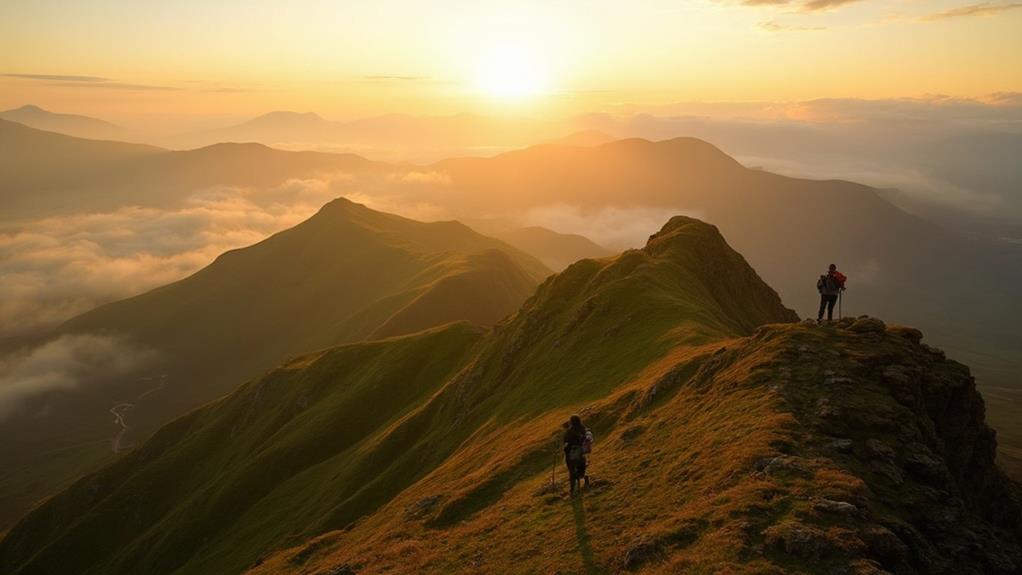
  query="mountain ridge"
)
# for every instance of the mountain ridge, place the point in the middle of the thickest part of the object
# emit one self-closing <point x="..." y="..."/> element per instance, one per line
<point x="725" y="442"/>
<point x="346" y="274"/>
<point x="566" y="306"/>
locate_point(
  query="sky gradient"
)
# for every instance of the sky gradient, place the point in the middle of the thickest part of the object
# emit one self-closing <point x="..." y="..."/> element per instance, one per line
<point x="352" y="59"/>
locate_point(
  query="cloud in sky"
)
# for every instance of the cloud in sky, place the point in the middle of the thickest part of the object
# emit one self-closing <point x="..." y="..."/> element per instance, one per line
<point x="58" y="77"/>
<point x="116" y="86"/>
<point x="814" y="5"/>
<point x="66" y="363"/>
<point x="387" y="78"/>
<point x="801" y="5"/>
<point x="982" y="8"/>
<point x="774" y="26"/>
<point x="73" y="81"/>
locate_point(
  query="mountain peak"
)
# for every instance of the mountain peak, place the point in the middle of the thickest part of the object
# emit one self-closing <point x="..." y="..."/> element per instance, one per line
<point x="681" y="224"/>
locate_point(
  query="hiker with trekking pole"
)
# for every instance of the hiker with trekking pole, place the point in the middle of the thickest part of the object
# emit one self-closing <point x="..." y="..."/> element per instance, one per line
<point x="830" y="285"/>
<point x="577" y="444"/>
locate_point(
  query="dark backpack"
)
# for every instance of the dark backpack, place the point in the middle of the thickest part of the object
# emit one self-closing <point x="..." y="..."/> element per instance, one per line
<point x="575" y="453"/>
<point x="821" y="284"/>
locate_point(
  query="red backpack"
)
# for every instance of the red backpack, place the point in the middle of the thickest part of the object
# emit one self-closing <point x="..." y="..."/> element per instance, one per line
<point x="840" y="278"/>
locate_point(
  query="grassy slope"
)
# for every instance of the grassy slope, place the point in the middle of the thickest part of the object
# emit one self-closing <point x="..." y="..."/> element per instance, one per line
<point x="716" y="446"/>
<point x="764" y="454"/>
<point x="587" y="331"/>
<point x="347" y="274"/>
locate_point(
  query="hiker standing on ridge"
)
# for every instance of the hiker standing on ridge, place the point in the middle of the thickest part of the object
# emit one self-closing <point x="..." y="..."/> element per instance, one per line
<point x="575" y="438"/>
<point x="830" y="286"/>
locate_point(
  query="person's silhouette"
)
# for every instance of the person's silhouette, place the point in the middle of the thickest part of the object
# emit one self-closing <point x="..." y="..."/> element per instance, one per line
<point x="830" y="285"/>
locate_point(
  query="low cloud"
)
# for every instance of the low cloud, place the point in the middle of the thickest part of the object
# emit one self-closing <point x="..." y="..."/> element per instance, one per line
<point x="54" y="268"/>
<point x="438" y="178"/>
<point x="64" y="364"/>
<point x="611" y="226"/>
<point x="980" y="9"/>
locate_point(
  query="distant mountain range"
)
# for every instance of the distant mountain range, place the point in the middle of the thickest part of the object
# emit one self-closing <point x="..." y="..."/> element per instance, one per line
<point x="69" y="124"/>
<point x="790" y="228"/>
<point x="388" y="137"/>
<point x="47" y="173"/>
<point x="347" y="274"/>
<point x="728" y="437"/>
<point x="962" y="174"/>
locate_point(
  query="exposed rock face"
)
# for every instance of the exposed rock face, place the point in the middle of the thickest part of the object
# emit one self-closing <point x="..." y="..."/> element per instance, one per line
<point x="909" y="424"/>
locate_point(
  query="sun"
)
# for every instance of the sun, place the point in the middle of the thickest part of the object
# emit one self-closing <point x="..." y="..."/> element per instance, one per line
<point x="511" y="71"/>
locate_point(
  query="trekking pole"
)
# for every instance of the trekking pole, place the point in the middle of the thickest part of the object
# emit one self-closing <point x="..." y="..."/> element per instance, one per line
<point x="553" y="472"/>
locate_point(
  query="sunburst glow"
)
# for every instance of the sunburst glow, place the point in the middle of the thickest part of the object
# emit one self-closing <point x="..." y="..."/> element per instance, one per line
<point x="511" y="71"/>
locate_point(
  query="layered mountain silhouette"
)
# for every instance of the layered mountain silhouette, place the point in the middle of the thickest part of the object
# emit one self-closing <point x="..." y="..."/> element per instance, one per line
<point x="729" y="438"/>
<point x="47" y="173"/>
<point x="70" y="124"/>
<point x="394" y="137"/>
<point x="789" y="228"/>
<point x="346" y="274"/>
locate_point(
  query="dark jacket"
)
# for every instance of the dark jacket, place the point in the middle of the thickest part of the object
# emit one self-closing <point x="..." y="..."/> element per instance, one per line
<point x="828" y="285"/>
<point x="573" y="437"/>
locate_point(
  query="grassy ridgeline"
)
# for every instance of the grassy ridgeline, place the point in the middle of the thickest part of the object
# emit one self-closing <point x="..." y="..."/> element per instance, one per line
<point x="722" y="445"/>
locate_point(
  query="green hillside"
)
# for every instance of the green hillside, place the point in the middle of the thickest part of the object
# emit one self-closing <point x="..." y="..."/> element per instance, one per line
<point x="347" y="274"/>
<point x="724" y="445"/>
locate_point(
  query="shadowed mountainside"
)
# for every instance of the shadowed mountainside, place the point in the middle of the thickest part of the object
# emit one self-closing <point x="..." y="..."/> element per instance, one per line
<point x="721" y="446"/>
<point x="346" y="274"/>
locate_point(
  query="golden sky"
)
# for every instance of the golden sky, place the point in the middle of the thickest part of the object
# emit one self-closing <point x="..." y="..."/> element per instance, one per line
<point x="352" y="59"/>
